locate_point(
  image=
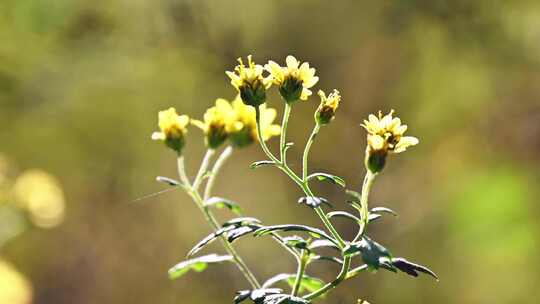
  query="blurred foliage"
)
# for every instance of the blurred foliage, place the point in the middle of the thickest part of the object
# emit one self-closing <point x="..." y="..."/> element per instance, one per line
<point x="81" y="83"/>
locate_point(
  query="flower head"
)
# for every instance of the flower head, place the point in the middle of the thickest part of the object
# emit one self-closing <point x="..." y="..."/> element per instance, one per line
<point x="243" y="127"/>
<point x="385" y="135"/>
<point x="327" y="109"/>
<point x="215" y="123"/>
<point x="294" y="80"/>
<point x="173" y="129"/>
<point x="249" y="82"/>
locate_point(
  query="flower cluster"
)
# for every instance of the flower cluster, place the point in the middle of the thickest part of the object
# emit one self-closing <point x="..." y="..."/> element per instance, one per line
<point x="246" y="120"/>
<point x="225" y="120"/>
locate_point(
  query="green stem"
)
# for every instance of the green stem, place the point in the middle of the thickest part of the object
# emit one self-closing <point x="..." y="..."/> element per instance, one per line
<point x="302" y="263"/>
<point x="283" y="136"/>
<point x="261" y="138"/>
<point x="364" y="198"/>
<point x="203" y="168"/>
<point x="343" y="274"/>
<point x="310" y="141"/>
<point x="209" y="217"/>
<point x="215" y="170"/>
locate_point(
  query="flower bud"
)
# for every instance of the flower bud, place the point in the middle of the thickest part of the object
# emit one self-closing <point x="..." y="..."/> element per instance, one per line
<point x="173" y="129"/>
<point x="327" y="109"/>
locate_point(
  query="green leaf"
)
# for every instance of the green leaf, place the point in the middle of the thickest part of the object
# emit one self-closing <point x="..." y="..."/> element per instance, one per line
<point x="343" y="214"/>
<point x="328" y="177"/>
<point x="295" y="242"/>
<point x="313" y="201"/>
<point x="220" y="203"/>
<point x="374" y="254"/>
<point x="240" y="221"/>
<point x="255" y="295"/>
<point x="312" y="231"/>
<point x="283" y="299"/>
<point x="308" y="283"/>
<point x="258" y="164"/>
<point x="327" y="258"/>
<point x="208" y="239"/>
<point x="322" y="243"/>
<point x="233" y="229"/>
<point x="198" y="264"/>
<point x="383" y="210"/>
<point x="412" y="269"/>
<point x="168" y="181"/>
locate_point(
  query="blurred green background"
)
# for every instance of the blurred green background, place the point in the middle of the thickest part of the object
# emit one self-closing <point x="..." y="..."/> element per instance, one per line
<point x="81" y="83"/>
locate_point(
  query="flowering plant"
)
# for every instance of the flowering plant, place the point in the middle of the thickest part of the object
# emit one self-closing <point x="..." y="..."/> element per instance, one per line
<point x="247" y="120"/>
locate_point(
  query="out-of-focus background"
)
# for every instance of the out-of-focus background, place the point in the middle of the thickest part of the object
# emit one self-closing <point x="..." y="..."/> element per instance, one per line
<point x="81" y="83"/>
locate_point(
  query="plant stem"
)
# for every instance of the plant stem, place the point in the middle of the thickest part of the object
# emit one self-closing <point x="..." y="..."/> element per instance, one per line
<point x="215" y="170"/>
<point x="203" y="168"/>
<point x="310" y="141"/>
<point x="209" y="217"/>
<point x="283" y="136"/>
<point x="302" y="263"/>
<point x="343" y="274"/>
<point x="364" y="198"/>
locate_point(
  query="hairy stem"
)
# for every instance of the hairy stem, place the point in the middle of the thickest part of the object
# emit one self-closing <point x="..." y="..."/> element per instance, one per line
<point x="343" y="274"/>
<point x="283" y="136"/>
<point x="364" y="212"/>
<point x="215" y="170"/>
<point x="305" y="157"/>
<point x="203" y="168"/>
<point x="302" y="263"/>
<point x="209" y="217"/>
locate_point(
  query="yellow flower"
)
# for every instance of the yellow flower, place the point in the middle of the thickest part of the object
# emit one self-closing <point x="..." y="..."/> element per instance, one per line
<point x="173" y="129"/>
<point x="390" y="130"/>
<point x="243" y="127"/>
<point x="385" y="135"/>
<point x="15" y="288"/>
<point x="42" y="196"/>
<point x="215" y="123"/>
<point x="327" y="109"/>
<point x="294" y="80"/>
<point x="249" y="82"/>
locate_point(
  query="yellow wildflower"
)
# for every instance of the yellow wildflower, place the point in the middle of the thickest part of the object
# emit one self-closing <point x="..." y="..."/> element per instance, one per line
<point x="173" y="129"/>
<point x="294" y="80"/>
<point x="385" y="135"/>
<point x="243" y="126"/>
<point x="215" y="123"/>
<point x="40" y="194"/>
<point x="328" y="106"/>
<point x="250" y="82"/>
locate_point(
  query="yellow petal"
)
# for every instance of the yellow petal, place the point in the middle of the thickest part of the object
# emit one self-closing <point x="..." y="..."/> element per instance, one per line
<point x="292" y="63"/>
<point x="158" y="136"/>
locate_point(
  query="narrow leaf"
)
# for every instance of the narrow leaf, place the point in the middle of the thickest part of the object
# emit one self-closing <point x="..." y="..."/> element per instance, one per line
<point x="328" y="177"/>
<point x="314" y="202"/>
<point x="312" y="231"/>
<point x="220" y="202"/>
<point x="322" y="243"/>
<point x="383" y="210"/>
<point x="261" y="163"/>
<point x="412" y="268"/>
<point x="240" y="221"/>
<point x="168" y="181"/>
<point x="343" y="214"/>
<point x="197" y="264"/>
